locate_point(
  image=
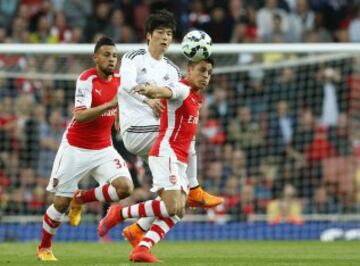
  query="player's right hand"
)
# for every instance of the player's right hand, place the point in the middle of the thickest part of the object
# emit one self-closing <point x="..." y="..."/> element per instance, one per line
<point x="114" y="102"/>
<point x="156" y="106"/>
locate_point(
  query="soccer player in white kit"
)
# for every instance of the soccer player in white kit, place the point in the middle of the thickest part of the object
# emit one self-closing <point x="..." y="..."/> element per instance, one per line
<point x="86" y="149"/>
<point x="168" y="159"/>
<point x="139" y="126"/>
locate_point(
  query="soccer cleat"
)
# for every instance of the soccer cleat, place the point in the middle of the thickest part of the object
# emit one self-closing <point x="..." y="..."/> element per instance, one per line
<point x="112" y="218"/>
<point x="199" y="198"/>
<point x="75" y="210"/>
<point x="45" y="254"/>
<point x="133" y="233"/>
<point x="143" y="254"/>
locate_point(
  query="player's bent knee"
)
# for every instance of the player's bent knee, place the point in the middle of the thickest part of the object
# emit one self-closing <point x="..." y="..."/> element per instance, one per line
<point x="181" y="206"/>
<point x="171" y="210"/>
<point x="61" y="204"/>
<point x="171" y="207"/>
<point x="180" y="212"/>
<point x="124" y="187"/>
<point x="125" y="190"/>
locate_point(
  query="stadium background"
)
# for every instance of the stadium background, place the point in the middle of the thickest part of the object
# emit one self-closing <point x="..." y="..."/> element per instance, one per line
<point x="287" y="171"/>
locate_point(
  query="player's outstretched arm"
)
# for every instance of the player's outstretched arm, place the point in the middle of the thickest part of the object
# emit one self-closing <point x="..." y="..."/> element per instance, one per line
<point x="88" y="114"/>
<point x="154" y="92"/>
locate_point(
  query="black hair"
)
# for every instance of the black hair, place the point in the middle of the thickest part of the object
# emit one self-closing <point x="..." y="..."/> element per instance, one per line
<point x="160" y="19"/>
<point x="103" y="41"/>
<point x="209" y="60"/>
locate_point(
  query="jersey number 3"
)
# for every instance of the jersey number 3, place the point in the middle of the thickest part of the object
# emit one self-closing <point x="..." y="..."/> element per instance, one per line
<point x="119" y="163"/>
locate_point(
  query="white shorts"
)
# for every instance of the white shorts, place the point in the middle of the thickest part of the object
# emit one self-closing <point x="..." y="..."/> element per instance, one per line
<point x="139" y="143"/>
<point x="72" y="164"/>
<point x="168" y="174"/>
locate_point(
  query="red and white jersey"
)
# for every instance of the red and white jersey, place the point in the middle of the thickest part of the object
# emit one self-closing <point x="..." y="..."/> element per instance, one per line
<point x="178" y="123"/>
<point x="92" y="91"/>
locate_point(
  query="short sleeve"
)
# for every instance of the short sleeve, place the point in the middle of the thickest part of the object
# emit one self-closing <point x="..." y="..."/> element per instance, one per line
<point x="83" y="93"/>
<point x="179" y="91"/>
<point x="128" y="73"/>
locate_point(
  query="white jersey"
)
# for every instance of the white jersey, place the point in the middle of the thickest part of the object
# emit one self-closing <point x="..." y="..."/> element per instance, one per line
<point x="139" y="67"/>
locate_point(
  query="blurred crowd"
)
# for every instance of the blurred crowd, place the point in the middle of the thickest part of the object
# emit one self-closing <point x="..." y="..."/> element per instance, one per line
<point x="284" y="142"/>
<point x="279" y="141"/>
<point x="235" y="21"/>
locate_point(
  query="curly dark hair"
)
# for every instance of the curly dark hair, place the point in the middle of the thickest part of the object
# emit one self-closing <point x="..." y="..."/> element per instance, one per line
<point x="103" y="41"/>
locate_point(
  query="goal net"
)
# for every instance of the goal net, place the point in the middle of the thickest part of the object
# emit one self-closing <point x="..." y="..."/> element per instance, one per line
<point x="279" y="139"/>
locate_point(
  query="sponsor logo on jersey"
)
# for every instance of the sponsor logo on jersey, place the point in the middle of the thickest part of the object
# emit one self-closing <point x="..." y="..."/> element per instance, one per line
<point x="166" y="77"/>
<point x="111" y="112"/>
<point x="173" y="179"/>
<point x="193" y="120"/>
<point x="80" y="93"/>
<point x="143" y="70"/>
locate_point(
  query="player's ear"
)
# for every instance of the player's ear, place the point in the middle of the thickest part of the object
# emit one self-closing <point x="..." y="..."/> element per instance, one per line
<point x="95" y="57"/>
<point x="148" y="36"/>
<point x="189" y="69"/>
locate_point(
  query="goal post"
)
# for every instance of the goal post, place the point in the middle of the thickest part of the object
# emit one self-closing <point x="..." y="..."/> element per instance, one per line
<point x="279" y="137"/>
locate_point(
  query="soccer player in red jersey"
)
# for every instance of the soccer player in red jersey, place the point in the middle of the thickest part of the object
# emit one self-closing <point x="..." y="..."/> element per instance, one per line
<point x="86" y="148"/>
<point x="168" y="159"/>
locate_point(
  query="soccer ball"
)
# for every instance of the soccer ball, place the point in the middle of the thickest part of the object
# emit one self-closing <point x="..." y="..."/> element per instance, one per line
<point x="196" y="45"/>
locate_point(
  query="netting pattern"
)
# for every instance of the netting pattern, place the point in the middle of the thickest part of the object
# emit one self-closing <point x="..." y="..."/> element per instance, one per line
<point x="279" y="140"/>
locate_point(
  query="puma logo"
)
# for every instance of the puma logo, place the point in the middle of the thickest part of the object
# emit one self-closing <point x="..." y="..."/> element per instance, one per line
<point x="55" y="182"/>
<point x="98" y="91"/>
<point x="173" y="179"/>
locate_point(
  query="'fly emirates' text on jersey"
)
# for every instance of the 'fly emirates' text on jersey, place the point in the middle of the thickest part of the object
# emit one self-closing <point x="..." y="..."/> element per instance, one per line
<point x="178" y="123"/>
<point x="92" y="91"/>
<point x="139" y="67"/>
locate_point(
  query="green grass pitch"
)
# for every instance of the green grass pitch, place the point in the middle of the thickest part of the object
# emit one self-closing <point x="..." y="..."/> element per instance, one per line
<point x="252" y="253"/>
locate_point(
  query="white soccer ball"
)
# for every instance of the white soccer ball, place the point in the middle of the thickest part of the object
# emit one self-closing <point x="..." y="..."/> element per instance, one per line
<point x="196" y="45"/>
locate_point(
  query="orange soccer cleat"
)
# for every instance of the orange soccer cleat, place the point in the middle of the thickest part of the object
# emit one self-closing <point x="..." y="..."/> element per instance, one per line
<point x="143" y="254"/>
<point x="112" y="218"/>
<point x="133" y="233"/>
<point x="75" y="210"/>
<point x="199" y="198"/>
<point x="45" y="254"/>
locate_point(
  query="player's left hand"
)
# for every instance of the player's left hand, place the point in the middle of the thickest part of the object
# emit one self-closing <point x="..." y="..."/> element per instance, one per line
<point x="141" y="89"/>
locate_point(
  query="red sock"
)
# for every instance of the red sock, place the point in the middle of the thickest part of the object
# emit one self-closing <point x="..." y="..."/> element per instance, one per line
<point x="150" y="208"/>
<point x="51" y="222"/>
<point x="46" y="239"/>
<point x="86" y="196"/>
<point x="158" y="230"/>
<point x="106" y="193"/>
